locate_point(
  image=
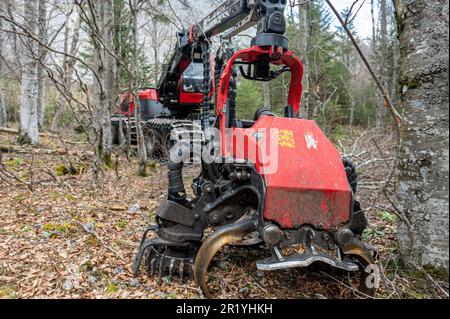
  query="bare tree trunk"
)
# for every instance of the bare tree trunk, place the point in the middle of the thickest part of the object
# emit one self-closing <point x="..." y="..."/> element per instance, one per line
<point x="381" y="110"/>
<point x="374" y="27"/>
<point x="101" y="111"/>
<point x="68" y="67"/>
<point x="395" y="70"/>
<point x="303" y="41"/>
<point x="111" y="80"/>
<point x="142" y="153"/>
<point x="108" y="36"/>
<point x="377" y="97"/>
<point x="42" y="20"/>
<point x="424" y="161"/>
<point x="29" y="131"/>
<point x="266" y="94"/>
<point x="156" y="49"/>
<point x="3" y="117"/>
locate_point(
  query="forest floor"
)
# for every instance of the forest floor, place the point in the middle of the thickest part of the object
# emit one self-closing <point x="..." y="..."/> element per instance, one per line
<point x="63" y="235"/>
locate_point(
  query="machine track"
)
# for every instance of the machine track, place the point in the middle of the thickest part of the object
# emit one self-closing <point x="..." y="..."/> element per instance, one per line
<point x="160" y="134"/>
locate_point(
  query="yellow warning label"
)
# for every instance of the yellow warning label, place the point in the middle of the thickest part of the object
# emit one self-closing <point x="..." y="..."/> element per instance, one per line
<point x="286" y="138"/>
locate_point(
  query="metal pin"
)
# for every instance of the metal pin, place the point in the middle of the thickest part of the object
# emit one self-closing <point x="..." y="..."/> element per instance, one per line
<point x="172" y="262"/>
<point x="277" y="252"/>
<point x="153" y="264"/>
<point x="181" y="270"/>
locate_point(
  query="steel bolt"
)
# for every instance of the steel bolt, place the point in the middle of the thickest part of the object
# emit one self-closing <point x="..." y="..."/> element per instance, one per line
<point x="229" y="215"/>
<point x="215" y="219"/>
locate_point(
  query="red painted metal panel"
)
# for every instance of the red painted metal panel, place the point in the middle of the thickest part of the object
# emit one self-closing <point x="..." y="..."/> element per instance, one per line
<point x="303" y="172"/>
<point x="149" y="94"/>
<point x="190" y="98"/>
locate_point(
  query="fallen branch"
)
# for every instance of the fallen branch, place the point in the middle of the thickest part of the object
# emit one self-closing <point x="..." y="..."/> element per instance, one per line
<point x="16" y="132"/>
<point x="61" y="152"/>
<point x="93" y="233"/>
<point x="395" y="114"/>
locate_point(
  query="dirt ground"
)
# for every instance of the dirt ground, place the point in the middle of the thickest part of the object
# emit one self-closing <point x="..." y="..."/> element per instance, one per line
<point x="63" y="235"/>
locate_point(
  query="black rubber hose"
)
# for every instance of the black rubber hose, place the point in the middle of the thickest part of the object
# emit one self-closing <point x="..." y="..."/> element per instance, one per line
<point x="352" y="175"/>
<point x="176" y="185"/>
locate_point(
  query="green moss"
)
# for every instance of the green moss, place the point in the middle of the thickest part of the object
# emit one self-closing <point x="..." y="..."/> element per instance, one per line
<point x="438" y="273"/>
<point x="54" y="195"/>
<point x="112" y="288"/>
<point x="80" y="129"/>
<point x="123" y="223"/>
<point x="13" y="162"/>
<point x="2" y="270"/>
<point x="412" y="84"/>
<point x="152" y="165"/>
<point x="92" y="241"/>
<point x="70" y="197"/>
<point x="416" y="295"/>
<point x="172" y="295"/>
<point x="7" y="292"/>
<point x="61" y="170"/>
<point x="26" y="228"/>
<point x="87" y="266"/>
<point x="67" y="228"/>
<point x="19" y="198"/>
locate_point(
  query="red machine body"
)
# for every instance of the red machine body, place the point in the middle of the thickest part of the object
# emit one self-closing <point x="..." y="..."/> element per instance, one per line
<point x="145" y="96"/>
<point x="301" y="168"/>
<point x="188" y="98"/>
<point x="276" y="181"/>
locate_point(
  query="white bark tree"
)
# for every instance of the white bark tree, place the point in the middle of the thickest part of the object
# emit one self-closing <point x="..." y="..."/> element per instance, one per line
<point x="42" y="21"/>
<point x="266" y="94"/>
<point x="101" y="117"/>
<point x="71" y="40"/>
<point x="424" y="163"/>
<point x="303" y="45"/>
<point x="3" y="118"/>
<point x="384" y="64"/>
<point x="111" y="66"/>
<point x="142" y="152"/>
<point x="29" y="129"/>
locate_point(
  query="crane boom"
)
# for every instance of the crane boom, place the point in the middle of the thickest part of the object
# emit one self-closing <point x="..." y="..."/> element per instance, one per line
<point x="228" y="19"/>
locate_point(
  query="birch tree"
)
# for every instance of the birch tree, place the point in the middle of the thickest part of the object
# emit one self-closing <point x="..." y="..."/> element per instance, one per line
<point x="29" y="131"/>
<point x="303" y="40"/>
<point x="3" y="118"/>
<point x="142" y="152"/>
<point x="424" y="162"/>
<point x="71" y="39"/>
<point x="266" y="94"/>
<point x="101" y="117"/>
<point x="384" y="64"/>
<point x="42" y="22"/>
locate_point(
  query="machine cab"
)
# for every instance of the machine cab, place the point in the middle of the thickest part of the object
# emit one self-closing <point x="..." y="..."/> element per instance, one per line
<point x="191" y="84"/>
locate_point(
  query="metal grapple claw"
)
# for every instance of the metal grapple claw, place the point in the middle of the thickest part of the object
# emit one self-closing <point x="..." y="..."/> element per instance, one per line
<point x="169" y="261"/>
<point x="159" y="256"/>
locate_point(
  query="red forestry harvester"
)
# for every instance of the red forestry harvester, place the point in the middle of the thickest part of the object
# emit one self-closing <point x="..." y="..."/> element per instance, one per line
<point x="174" y="104"/>
<point x="275" y="181"/>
